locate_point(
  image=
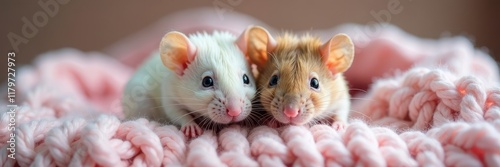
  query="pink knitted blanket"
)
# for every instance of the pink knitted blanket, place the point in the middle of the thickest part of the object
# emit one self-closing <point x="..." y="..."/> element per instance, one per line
<point x="428" y="103"/>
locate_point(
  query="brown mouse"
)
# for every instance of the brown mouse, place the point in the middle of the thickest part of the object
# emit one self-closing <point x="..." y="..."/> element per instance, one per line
<point x="300" y="78"/>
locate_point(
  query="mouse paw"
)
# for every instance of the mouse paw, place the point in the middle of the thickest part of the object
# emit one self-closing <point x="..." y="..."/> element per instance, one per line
<point x="339" y="125"/>
<point x="191" y="130"/>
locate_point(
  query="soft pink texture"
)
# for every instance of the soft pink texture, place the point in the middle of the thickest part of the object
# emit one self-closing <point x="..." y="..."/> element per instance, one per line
<point x="436" y="103"/>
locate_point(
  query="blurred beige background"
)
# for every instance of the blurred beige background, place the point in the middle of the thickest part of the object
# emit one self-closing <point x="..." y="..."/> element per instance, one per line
<point x="93" y="25"/>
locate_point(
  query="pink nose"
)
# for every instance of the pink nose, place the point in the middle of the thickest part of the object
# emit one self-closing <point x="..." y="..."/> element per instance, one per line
<point x="291" y="111"/>
<point x="233" y="107"/>
<point x="233" y="111"/>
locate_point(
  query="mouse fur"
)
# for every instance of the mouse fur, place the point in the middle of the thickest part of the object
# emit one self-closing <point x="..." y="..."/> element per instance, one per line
<point x="296" y="61"/>
<point x="176" y="94"/>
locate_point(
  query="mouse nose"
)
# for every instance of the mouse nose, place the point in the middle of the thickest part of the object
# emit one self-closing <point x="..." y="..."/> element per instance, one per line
<point x="291" y="111"/>
<point x="233" y="112"/>
<point x="233" y="108"/>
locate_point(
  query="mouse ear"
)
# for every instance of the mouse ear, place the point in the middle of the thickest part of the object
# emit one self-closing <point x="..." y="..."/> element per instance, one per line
<point x="338" y="53"/>
<point x="176" y="51"/>
<point x="256" y="42"/>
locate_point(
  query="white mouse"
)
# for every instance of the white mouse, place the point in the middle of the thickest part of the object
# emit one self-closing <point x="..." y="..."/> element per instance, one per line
<point x="207" y="81"/>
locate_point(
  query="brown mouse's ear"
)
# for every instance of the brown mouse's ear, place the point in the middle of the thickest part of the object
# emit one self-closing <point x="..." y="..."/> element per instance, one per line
<point x="176" y="51"/>
<point x="338" y="53"/>
<point x="256" y="42"/>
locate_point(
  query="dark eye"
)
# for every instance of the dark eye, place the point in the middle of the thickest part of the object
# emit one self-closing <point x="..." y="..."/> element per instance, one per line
<point x="274" y="80"/>
<point x="314" y="83"/>
<point x="245" y="79"/>
<point x="207" y="82"/>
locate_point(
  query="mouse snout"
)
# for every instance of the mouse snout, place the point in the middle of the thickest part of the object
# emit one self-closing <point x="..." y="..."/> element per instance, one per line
<point x="233" y="107"/>
<point x="232" y="111"/>
<point x="291" y="105"/>
<point x="291" y="111"/>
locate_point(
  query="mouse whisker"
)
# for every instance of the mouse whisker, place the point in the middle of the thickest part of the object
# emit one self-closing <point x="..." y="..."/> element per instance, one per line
<point x="262" y="113"/>
<point x="324" y="115"/>
<point x="187" y="114"/>
<point x="316" y="122"/>
<point x="275" y="58"/>
<point x="256" y="103"/>
<point x="204" y="122"/>
<point x="259" y="109"/>
<point x="268" y="98"/>
<point x="357" y="89"/>
<point x="260" y="90"/>
<point x="347" y="90"/>
<point x="360" y="98"/>
<point x="274" y="121"/>
<point x="364" y="116"/>
<point x="312" y="122"/>
<point x="268" y="117"/>
<point x="253" y="120"/>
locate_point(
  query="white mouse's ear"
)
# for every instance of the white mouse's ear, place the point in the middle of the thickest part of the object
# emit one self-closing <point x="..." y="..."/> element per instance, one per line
<point x="176" y="51"/>
<point x="338" y="53"/>
<point x="256" y="42"/>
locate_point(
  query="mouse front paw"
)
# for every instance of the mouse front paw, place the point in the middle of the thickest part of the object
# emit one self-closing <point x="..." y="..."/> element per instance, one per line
<point x="339" y="125"/>
<point x="191" y="130"/>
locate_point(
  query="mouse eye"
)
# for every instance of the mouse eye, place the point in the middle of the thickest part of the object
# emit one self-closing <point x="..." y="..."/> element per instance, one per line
<point x="274" y="80"/>
<point x="246" y="80"/>
<point x="314" y="83"/>
<point x="207" y="82"/>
